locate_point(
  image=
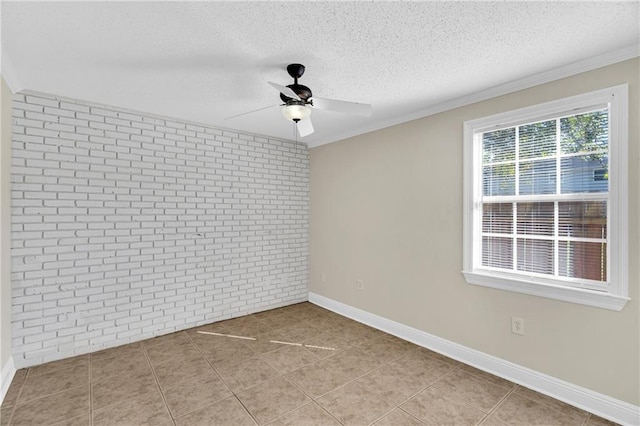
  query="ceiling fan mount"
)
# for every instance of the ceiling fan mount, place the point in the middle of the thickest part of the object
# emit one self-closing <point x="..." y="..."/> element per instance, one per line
<point x="295" y="70"/>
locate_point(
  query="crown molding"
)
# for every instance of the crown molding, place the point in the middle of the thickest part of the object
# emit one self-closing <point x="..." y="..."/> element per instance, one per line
<point x="564" y="71"/>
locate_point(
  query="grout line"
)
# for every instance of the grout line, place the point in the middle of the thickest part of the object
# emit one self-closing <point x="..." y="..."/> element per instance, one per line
<point x="90" y="390"/>
<point x="325" y="410"/>
<point x="411" y="415"/>
<point x="153" y="371"/>
<point x="210" y="363"/>
<point x="48" y="394"/>
<point x="311" y="401"/>
<point x="15" y="405"/>
<point x="499" y="403"/>
<point x="215" y="372"/>
<point x="245" y="409"/>
<point x="386" y="413"/>
<point x="13" y="409"/>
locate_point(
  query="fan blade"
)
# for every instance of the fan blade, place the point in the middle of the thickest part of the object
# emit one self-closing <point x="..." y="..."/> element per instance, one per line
<point x="305" y="128"/>
<point x="285" y="90"/>
<point x="250" y="112"/>
<point x="354" y="108"/>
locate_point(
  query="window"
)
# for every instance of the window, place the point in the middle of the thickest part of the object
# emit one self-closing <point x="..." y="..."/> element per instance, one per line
<point x="545" y="192"/>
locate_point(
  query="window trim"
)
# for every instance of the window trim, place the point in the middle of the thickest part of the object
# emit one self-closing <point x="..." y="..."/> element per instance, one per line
<point x="617" y="295"/>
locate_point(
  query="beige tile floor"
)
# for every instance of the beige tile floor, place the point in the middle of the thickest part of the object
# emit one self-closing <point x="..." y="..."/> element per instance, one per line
<point x="298" y="365"/>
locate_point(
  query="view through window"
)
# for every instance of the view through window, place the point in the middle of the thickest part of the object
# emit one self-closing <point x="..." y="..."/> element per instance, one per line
<point x="545" y="199"/>
<point x="544" y="210"/>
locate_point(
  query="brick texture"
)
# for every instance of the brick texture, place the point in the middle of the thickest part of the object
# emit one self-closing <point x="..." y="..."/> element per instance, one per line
<point x="127" y="225"/>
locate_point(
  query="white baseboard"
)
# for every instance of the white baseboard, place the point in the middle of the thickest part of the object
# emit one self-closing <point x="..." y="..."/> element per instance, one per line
<point x="6" y="376"/>
<point x="586" y="399"/>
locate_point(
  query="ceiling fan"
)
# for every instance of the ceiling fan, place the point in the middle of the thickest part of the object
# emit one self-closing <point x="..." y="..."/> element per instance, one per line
<point x="299" y="102"/>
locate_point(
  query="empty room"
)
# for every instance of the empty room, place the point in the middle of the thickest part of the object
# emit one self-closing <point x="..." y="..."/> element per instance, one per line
<point x="320" y="213"/>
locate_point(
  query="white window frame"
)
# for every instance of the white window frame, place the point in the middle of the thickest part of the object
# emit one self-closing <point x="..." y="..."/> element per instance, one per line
<point x="616" y="294"/>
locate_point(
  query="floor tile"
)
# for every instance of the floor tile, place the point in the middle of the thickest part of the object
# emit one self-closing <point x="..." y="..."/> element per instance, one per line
<point x="392" y="383"/>
<point x="53" y="408"/>
<point x="358" y="372"/>
<point x="352" y="404"/>
<point x="487" y="376"/>
<point x="119" y="351"/>
<point x="398" y="418"/>
<point x="272" y="399"/>
<point x="492" y="420"/>
<point x="387" y="348"/>
<point x="169" y="350"/>
<point x="551" y="402"/>
<point x="359" y="333"/>
<point x="111" y="365"/>
<point x="599" y="421"/>
<point x="518" y="410"/>
<point x="430" y="407"/>
<point x="316" y="381"/>
<point x="327" y="344"/>
<point x="247" y="326"/>
<point x="351" y="363"/>
<point x="144" y="409"/>
<point x="289" y="358"/>
<point x="296" y="332"/>
<point x="181" y="369"/>
<point x="5" y="414"/>
<point x="307" y="415"/>
<point x="333" y="324"/>
<point x="82" y="360"/>
<point x="225" y="412"/>
<point x="11" y="398"/>
<point x="190" y="395"/>
<point x="277" y="322"/>
<point x="462" y="386"/>
<point x="425" y="368"/>
<point x="423" y="352"/>
<point x="178" y="337"/>
<point x="245" y="374"/>
<point x="303" y="316"/>
<point x="216" y="327"/>
<point x="228" y="350"/>
<point x="115" y="389"/>
<point x="265" y="342"/>
<point x="83" y="420"/>
<point x="54" y="381"/>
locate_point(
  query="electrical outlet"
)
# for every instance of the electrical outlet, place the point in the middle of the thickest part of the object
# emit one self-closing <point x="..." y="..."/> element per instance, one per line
<point x="517" y="326"/>
<point x="360" y="285"/>
<point x="323" y="278"/>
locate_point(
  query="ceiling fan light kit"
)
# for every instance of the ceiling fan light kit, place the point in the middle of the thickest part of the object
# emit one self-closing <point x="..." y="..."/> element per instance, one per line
<point x="296" y="111"/>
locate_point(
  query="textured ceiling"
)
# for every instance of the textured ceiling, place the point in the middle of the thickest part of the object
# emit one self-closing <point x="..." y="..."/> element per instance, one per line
<point x="204" y="61"/>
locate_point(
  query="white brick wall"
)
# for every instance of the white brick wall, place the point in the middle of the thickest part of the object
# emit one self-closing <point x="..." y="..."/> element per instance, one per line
<point x="127" y="226"/>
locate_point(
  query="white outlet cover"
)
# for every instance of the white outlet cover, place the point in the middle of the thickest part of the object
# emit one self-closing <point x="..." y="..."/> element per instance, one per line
<point x="517" y="325"/>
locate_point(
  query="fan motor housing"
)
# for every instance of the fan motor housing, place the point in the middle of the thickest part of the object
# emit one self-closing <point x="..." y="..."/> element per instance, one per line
<point x="302" y="91"/>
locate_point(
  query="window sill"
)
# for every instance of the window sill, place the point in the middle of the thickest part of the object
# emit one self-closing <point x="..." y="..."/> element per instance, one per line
<point x="567" y="294"/>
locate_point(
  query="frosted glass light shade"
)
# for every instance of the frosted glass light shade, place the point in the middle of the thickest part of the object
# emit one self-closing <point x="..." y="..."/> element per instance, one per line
<point x="296" y="112"/>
